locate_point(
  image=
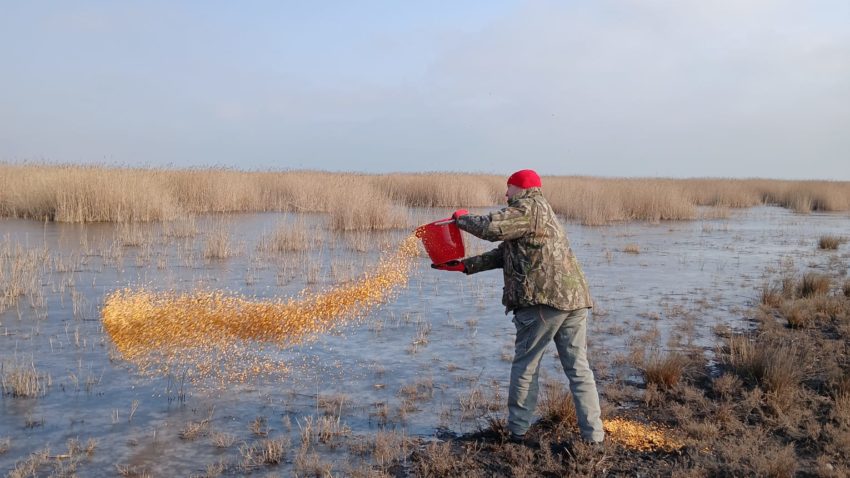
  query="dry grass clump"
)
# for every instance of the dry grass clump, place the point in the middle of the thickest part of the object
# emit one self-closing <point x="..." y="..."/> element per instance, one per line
<point x="631" y="249"/>
<point x="664" y="370"/>
<point x="20" y="270"/>
<point x="327" y="430"/>
<point x="773" y="295"/>
<point x="557" y="405"/>
<point x="219" y="245"/>
<point x="798" y="313"/>
<point x="829" y="242"/>
<point x="260" y="426"/>
<point x="272" y="452"/>
<point x="421" y="390"/>
<point x="389" y="446"/>
<point x="473" y="403"/>
<point x="813" y="284"/>
<point x="440" y="460"/>
<point x="291" y="237"/>
<point x="308" y="462"/>
<point x="771" y="363"/>
<point x="132" y="471"/>
<point x="332" y="404"/>
<point x="33" y="465"/>
<point x="43" y="463"/>
<point x="222" y="439"/>
<point x="263" y="453"/>
<point x="22" y="380"/>
<point x="181" y="228"/>
<point x="193" y="430"/>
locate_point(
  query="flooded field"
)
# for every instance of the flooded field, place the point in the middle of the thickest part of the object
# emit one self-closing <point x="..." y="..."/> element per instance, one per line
<point x="432" y="358"/>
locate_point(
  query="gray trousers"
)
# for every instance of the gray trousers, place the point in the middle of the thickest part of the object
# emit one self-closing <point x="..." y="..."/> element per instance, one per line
<point x="535" y="327"/>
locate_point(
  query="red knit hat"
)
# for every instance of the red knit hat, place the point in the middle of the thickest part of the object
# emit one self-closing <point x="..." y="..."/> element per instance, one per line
<point x="525" y="179"/>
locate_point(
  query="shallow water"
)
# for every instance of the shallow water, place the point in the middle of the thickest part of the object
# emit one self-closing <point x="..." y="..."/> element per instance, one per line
<point x="445" y="329"/>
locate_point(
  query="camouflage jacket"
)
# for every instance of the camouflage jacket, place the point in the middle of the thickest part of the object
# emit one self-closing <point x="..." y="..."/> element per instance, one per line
<point x="538" y="264"/>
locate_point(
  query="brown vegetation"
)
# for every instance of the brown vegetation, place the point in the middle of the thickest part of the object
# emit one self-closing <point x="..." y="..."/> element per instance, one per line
<point x="829" y="242"/>
<point x="23" y="380"/>
<point x="664" y="370"/>
<point x="631" y="249"/>
<point x="776" y="404"/>
<point x="814" y="284"/>
<point x="263" y="453"/>
<point x="366" y="202"/>
<point x="557" y="405"/>
<point x="219" y="245"/>
<point x="290" y="237"/>
<point x="43" y="463"/>
<point x="20" y="269"/>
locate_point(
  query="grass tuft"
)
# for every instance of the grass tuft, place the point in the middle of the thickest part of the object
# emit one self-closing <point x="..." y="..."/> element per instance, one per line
<point x="222" y="439"/>
<point x="772" y="364"/>
<point x="631" y="249"/>
<point x="813" y="284"/>
<point x="218" y="244"/>
<point x="292" y="237"/>
<point x="24" y="381"/>
<point x="664" y="370"/>
<point x="829" y="242"/>
<point x="557" y="405"/>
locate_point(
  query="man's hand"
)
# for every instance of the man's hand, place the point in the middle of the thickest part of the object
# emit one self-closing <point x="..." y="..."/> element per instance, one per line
<point x="459" y="213"/>
<point x="450" y="266"/>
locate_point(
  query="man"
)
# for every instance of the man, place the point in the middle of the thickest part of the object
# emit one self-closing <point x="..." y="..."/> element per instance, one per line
<point x="546" y="290"/>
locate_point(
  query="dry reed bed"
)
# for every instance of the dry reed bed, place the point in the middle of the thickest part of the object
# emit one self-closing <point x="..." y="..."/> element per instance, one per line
<point x="368" y="202"/>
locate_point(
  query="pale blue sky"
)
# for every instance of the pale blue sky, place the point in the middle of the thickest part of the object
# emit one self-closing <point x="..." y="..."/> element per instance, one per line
<point x="733" y="88"/>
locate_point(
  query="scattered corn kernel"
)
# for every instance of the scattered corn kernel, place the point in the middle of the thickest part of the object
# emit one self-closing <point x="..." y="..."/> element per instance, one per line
<point x="640" y="436"/>
<point x="227" y="337"/>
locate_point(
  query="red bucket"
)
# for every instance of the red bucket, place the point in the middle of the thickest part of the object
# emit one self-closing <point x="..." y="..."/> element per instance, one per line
<point x="442" y="240"/>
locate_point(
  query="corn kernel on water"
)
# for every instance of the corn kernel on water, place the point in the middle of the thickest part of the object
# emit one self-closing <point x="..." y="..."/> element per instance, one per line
<point x="212" y="335"/>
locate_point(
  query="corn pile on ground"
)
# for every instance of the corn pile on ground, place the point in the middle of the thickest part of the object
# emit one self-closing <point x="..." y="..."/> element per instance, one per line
<point x="640" y="436"/>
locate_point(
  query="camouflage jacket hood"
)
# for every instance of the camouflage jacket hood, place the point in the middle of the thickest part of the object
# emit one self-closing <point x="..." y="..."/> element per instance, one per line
<point x="538" y="264"/>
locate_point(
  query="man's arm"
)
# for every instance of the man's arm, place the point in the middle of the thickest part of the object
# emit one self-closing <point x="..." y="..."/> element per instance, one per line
<point x="494" y="259"/>
<point x="509" y="223"/>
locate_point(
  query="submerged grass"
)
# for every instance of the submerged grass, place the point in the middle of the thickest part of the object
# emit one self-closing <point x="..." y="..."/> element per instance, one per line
<point x="23" y="380"/>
